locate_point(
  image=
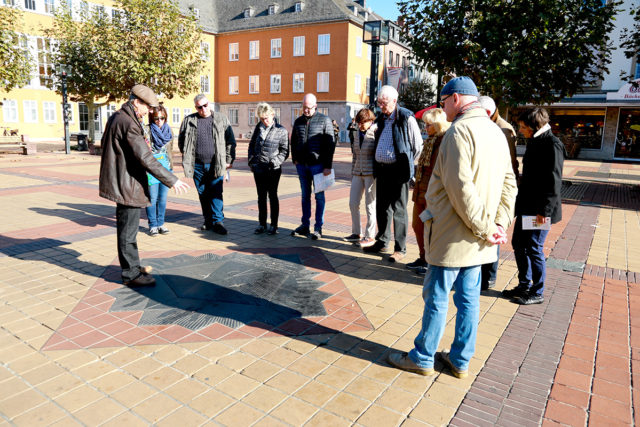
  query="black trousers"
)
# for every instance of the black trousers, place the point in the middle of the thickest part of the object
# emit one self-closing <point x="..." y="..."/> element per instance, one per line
<point x="267" y="186"/>
<point x="128" y="221"/>
<point x="391" y="205"/>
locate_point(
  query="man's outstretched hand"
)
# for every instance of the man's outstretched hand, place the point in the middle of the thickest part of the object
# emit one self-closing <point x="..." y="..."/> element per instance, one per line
<point x="181" y="187"/>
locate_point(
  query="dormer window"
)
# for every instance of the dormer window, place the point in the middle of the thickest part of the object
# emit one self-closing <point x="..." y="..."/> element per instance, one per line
<point x="354" y="9"/>
<point x="299" y="6"/>
<point x="273" y="8"/>
<point x="248" y="12"/>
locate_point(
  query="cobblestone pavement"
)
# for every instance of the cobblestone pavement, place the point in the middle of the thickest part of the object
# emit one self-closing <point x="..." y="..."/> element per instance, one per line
<point x="78" y="348"/>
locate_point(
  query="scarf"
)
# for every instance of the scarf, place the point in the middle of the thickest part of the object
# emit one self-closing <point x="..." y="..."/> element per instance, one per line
<point x="161" y="135"/>
<point x="145" y="132"/>
<point x="424" y="161"/>
<point x="467" y="107"/>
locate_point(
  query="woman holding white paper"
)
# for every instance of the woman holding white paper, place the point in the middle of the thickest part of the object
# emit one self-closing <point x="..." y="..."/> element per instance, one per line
<point x="539" y="197"/>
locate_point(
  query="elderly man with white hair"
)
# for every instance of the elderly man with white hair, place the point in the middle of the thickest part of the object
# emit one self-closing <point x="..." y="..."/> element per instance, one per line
<point x="398" y="143"/>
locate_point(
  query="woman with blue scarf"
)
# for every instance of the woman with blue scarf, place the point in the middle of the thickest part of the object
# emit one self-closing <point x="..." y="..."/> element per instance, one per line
<point x="161" y="136"/>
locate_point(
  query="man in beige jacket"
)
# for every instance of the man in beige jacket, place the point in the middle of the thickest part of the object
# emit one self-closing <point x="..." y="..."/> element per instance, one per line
<point x="470" y="204"/>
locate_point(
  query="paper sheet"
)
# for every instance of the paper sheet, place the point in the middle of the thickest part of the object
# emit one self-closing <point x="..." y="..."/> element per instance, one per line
<point x="529" y="223"/>
<point x="322" y="182"/>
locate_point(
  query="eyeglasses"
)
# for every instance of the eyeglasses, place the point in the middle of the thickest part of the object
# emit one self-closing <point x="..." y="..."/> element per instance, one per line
<point x="308" y="108"/>
<point x="444" y="99"/>
<point x="198" y="107"/>
<point x="157" y="119"/>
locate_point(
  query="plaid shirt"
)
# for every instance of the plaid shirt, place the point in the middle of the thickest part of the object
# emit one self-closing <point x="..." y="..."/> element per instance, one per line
<point x="385" y="152"/>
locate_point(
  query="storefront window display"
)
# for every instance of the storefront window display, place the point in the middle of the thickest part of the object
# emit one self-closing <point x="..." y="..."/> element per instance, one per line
<point x="578" y="128"/>
<point x="628" y="136"/>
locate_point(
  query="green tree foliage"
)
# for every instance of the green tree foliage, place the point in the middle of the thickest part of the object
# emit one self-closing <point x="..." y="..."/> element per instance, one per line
<point x="631" y="40"/>
<point x="417" y="95"/>
<point x="148" y="41"/>
<point x="15" y="63"/>
<point x="517" y="51"/>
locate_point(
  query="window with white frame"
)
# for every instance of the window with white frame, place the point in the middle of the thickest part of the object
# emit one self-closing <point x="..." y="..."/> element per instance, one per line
<point x="359" y="46"/>
<point x="276" y="83"/>
<point x="368" y="51"/>
<point x="186" y="111"/>
<point x="10" y="110"/>
<point x="196" y="12"/>
<point x="390" y="59"/>
<point x="49" y="111"/>
<point x="45" y="61"/>
<point x="276" y="111"/>
<point x="296" y="112"/>
<point x="358" y="84"/>
<point x="272" y="9"/>
<point x="299" y="6"/>
<point x="204" y="51"/>
<point x="253" y="120"/>
<point x="233" y="116"/>
<point x="48" y="6"/>
<point x="111" y="109"/>
<point x="234" y="85"/>
<point x="116" y="15"/>
<point x="276" y="48"/>
<point x="324" y="44"/>
<point x="254" y="84"/>
<point x="298" y="82"/>
<point x="9" y="2"/>
<point x="30" y="4"/>
<point x="298" y="46"/>
<point x="204" y="84"/>
<point x="323" y="82"/>
<point x="30" y="111"/>
<point x="323" y="110"/>
<point x="367" y="86"/>
<point x="254" y="49"/>
<point x="248" y="12"/>
<point x="234" y="51"/>
<point x="175" y="115"/>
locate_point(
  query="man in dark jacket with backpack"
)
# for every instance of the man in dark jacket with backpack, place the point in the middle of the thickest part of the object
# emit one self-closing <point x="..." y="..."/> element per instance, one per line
<point x="312" y="148"/>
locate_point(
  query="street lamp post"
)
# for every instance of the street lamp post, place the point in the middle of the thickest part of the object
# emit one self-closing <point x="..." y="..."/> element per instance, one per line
<point x="375" y="33"/>
<point x="63" y="72"/>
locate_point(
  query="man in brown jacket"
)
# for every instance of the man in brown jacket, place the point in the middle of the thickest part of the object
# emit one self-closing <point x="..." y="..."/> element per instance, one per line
<point x="490" y="270"/>
<point x="126" y="159"/>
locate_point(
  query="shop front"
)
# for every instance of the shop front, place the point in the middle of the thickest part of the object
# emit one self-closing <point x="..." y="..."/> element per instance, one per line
<point x="627" y="134"/>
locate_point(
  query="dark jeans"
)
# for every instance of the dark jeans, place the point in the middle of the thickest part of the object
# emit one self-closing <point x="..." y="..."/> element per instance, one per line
<point x="527" y="249"/>
<point x="391" y="205"/>
<point x="127" y="223"/>
<point x="267" y="184"/>
<point x="210" y="192"/>
<point x="305" y="175"/>
<point x="490" y="271"/>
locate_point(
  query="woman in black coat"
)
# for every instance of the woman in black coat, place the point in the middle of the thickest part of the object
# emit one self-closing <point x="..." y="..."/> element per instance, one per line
<point x="539" y="198"/>
<point x="268" y="149"/>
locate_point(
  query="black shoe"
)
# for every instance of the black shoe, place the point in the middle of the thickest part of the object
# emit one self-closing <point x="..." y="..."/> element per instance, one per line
<point x="301" y="231"/>
<point x="218" y="227"/>
<point x="142" y="280"/>
<point x="421" y="271"/>
<point x="206" y="227"/>
<point x="353" y="238"/>
<point x="377" y="247"/>
<point x="529" y="299"/>
<point x="417" y="264"/>
<point x="518" y="291"/>
<point x="488" y="285"/>
<point x="272" y="231"/>
<point x="260" y="230"/>
<point x="316" y="235"/>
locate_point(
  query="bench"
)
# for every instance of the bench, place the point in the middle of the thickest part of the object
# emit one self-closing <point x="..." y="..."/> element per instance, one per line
<point x="20" y="144"/>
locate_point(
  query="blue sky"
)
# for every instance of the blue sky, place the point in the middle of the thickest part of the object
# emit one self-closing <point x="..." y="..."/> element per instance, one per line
<point x="385" y="8"/>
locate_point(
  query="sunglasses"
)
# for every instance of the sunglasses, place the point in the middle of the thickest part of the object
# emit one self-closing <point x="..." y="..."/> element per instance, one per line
<point x="199" y="107"/>
<point x="444" y="99"/>
<point x="157" y="119"/>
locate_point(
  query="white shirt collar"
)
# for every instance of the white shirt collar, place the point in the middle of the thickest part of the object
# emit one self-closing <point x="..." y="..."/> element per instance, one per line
<point x="542" y="130"/>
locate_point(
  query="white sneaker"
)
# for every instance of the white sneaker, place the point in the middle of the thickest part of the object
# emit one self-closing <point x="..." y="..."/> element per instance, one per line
<point x="153" y="231"/>
<point x="163" y="230"/>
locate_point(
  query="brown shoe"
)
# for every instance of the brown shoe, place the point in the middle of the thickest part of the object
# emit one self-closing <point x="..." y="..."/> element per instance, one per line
<point x="146" y="269"/>
<point x="402" y="361"/>
<point x="455" y="371"/>
<point x="397" y="257"/>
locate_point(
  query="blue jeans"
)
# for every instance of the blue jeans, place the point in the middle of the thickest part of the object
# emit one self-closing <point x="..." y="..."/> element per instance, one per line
<point x="437" y="285"/>
<point x="155" y="212"/>
<point x="210" y="192"/>
<point x="305" y="174"/>
<point x="528" y="251"/>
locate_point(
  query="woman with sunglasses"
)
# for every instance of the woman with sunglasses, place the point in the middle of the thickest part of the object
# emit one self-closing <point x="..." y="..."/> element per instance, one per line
<point x="161" y="137"/>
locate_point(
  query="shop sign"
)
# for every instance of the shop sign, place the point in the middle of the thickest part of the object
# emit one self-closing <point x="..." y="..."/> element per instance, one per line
<point x="630" y="91"/>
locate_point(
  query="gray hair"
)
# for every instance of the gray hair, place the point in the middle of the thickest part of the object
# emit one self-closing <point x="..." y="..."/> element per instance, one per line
<point x="263" y="109"/>
<point x="488" y="104"/>
<point x="199" y="97"/>
<point x="388" y="92"/>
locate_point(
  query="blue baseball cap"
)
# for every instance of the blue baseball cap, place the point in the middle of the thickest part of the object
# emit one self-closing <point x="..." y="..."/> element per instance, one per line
<point x="462" y="85"/>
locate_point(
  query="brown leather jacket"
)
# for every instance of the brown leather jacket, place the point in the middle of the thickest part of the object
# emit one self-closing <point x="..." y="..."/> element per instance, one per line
<point x="126" y="159"/>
